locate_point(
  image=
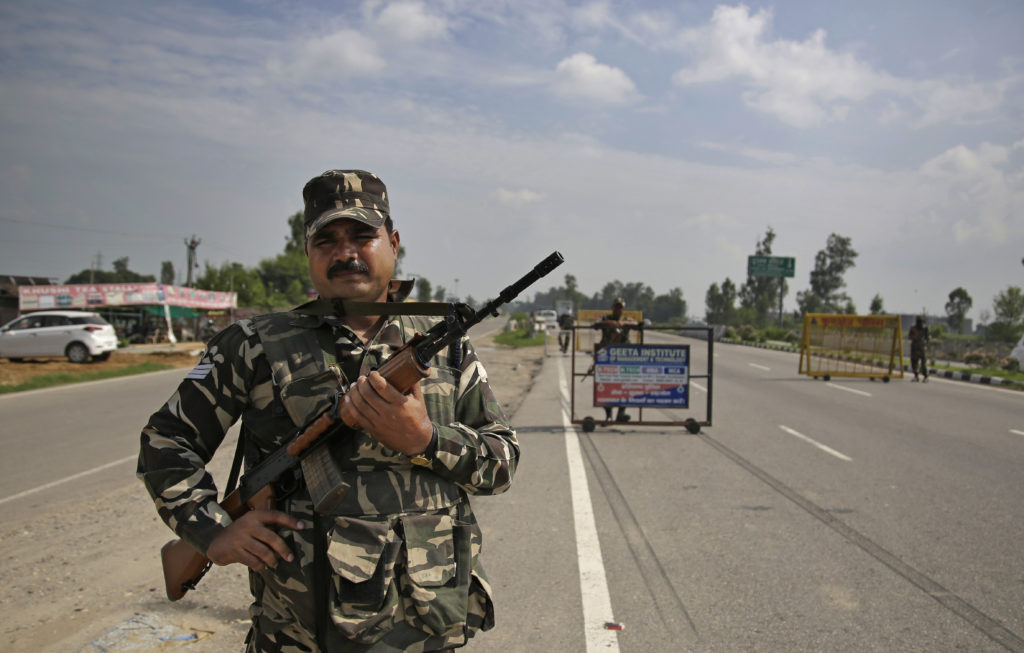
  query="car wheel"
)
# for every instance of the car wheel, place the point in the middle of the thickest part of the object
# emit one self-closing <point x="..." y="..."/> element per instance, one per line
<point x="77" y="353"/>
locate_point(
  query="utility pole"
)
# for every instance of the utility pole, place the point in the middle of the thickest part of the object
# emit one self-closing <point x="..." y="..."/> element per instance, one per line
<point x="191" y="244"/>
<point x="95" y="264"/>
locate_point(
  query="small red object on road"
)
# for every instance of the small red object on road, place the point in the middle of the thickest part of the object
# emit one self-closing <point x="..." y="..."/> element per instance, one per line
<point x="611" y="625"/>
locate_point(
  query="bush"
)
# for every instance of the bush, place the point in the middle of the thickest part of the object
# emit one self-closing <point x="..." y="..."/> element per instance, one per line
<point x="747" y="333"/>
<point x="730" y="333"/>
<point x="792" y="337"/>
<point x="1010" y="365"/>
<point x="774" y="333"/>
<point x="980" y="357"/>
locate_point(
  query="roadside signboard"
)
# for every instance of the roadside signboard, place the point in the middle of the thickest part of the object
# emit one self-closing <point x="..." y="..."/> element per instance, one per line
<point x="771" y="266"/>
<point x="31" y="298"/>
<point x="656" y="376"/>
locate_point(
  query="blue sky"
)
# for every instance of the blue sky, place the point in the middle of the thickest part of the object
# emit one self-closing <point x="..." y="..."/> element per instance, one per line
<point x="646" y="141"/>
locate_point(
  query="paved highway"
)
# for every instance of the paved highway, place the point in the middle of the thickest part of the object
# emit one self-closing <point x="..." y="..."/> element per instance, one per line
<point x="810" y="516"/>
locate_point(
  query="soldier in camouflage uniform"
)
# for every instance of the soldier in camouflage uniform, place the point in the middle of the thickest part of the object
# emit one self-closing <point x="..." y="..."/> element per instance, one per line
<point x="395" y="565"/>
<point x="918" y="336"/>
<point x="614" y="329"/>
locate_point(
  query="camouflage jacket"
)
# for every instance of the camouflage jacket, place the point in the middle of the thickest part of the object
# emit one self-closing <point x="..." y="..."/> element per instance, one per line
<point x="404" y="544"/>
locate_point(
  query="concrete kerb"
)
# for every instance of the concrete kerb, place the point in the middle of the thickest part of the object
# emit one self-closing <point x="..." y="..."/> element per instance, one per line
<point x="941" y="374"/>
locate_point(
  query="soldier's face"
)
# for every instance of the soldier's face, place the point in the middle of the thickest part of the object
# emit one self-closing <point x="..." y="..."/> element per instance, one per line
<point x="350" y="260"/>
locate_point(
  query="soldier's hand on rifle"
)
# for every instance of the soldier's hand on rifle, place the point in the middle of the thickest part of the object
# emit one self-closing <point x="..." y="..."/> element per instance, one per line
<point x="398" y="421"/>
<point x="251" y="540"/>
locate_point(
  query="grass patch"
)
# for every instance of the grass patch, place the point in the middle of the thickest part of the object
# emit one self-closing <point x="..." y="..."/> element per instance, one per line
<point x="520" y="338"/>
<point x="65" y="378"/>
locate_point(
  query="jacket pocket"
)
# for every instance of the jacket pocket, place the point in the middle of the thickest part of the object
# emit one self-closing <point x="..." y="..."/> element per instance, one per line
<point x="435" y="587"/>
<point x="363" y="601"/>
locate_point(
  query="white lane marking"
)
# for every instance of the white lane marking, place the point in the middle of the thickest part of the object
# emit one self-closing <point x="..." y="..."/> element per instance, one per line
<point x="760" y="367"/>
<point x="826" y="449"/>
<point x="843" y="387"/>
<point x="698" y="386"/>
<point x="597" y="603"/>
<point x="1015" y="431"/>
<point x="67" y="479"/>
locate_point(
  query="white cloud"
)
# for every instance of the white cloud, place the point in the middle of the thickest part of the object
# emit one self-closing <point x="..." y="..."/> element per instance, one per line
<point x="806" y="83"/>
<point x="979" y="193"/>
<point x="411" y="22"/>
<point x="340" y="54"/>
<point x="940" y="101"/>
<point x="581" y="76"/>
<point x="521" y="196"/>
<point x="803" y="83"/>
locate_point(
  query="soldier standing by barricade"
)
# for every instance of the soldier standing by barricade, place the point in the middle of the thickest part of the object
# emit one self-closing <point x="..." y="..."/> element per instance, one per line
<point x="918" y="336"/>
<point x="614" y="329"/>
<point x="395" y="565"/>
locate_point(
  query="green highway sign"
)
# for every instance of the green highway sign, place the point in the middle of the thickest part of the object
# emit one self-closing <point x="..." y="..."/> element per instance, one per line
<point x="771" y="266"/>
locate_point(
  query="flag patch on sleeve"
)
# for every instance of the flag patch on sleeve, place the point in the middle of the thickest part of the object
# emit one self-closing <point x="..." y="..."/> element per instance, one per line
<point x="200" y="371"/>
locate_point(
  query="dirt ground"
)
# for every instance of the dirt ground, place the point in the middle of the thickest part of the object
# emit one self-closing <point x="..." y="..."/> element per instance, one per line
<point x="88" y="579"/>
<point x="180" y="355"/>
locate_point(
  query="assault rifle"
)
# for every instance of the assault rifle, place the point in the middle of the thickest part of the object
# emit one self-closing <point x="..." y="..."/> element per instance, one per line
<point x="184" y="566"/>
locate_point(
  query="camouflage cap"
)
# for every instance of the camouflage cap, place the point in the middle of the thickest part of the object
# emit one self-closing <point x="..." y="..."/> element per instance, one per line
<point x="338" y="194"/>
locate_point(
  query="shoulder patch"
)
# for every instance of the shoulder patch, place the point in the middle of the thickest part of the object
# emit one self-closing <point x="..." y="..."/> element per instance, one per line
<point x="200" y="371"/>
<point x="247" y="326"/>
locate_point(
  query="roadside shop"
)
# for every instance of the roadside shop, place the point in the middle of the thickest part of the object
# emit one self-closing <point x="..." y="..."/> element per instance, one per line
<point x="139" y="312"/>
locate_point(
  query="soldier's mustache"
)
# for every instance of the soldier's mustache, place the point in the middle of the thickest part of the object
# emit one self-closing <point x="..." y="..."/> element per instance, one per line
<point x="351" y="265"/>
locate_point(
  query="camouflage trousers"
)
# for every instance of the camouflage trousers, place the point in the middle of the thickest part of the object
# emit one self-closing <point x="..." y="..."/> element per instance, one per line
<point x="919" y="360"/>
<point x="379" y="600"/>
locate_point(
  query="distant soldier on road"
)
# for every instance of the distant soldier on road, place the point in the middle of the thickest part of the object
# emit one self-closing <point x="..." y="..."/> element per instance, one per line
<point x="565" y="324"/>
<point x="614" y="329"/>
<point x="918" y="336"/>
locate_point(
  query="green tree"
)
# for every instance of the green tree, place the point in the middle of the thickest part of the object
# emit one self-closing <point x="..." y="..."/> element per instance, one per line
<point x="876" y="305"/>
<point x="286" y="277"/>
<point x="956" y="309"/>
<point x="762" y="293"/>
<point x="120" y="274"/>
<point x="669" y="308"/>
<point x="167" y="273"/>
<point x="440" y="293"/>
<point x="720" y="303"/>
<point x="235" y="277"/>
<point x="572" y="292"/>
<point x="423" y="290"/>
<point x="1008" y="307"/>
<point x="296" y="238"/>
<point x="830" y="264"/>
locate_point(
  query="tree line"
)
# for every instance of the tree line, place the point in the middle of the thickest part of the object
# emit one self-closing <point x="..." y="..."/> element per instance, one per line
<point x="283" y="281"/>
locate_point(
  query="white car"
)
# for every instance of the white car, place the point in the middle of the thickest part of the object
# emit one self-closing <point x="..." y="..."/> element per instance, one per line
<point x="75" y="334"/>
<point x="548" y="317"/>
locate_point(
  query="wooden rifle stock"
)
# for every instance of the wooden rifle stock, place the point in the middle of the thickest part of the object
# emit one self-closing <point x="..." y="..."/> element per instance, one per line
<point x="184" y="566"/>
